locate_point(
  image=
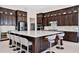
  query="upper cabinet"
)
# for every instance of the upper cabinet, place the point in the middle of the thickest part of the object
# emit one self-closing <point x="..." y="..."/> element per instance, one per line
<point x="45" y="19"/>
<point x="21" y="15"/>
<point x="7" y="17"/>
<point x="64" y="17"/>
<point x="40" y="18"/>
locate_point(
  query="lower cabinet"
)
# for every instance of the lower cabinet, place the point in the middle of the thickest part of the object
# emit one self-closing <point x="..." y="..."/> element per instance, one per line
<point x="71" y="36"/>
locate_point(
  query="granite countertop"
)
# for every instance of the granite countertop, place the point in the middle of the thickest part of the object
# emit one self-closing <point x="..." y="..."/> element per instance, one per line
<point x="35" y="33"/>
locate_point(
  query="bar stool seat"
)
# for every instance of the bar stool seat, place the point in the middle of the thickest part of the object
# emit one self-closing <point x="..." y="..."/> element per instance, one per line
<point x="51" y="40"/>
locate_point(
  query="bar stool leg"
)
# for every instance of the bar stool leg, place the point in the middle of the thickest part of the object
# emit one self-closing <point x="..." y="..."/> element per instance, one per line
<point x="58" y="46"/>
<point x="15" y="46"/>
<point x="61" y="44"/>
<point x="12" y="44"/>
<point x="50" y="50"/>
<point x="27" y="48"/>
<point x="20" y="48"/>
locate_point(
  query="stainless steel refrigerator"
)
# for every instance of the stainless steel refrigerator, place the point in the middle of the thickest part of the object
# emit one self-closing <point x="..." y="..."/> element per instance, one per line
<point x="22" y="26"/>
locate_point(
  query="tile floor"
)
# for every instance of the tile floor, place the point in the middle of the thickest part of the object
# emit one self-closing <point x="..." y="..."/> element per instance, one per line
<point x="69" y="47"/>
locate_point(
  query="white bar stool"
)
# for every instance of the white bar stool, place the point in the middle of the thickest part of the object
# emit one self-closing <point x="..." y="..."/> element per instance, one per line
<point x="51" y="40"/>
<point x="9" y="37"/>
<point x="20" y="38"/>
<point x="26" y="43"/>
<point x="17" y="41"/>
<point x="60" y="41"/>
<point x="12" y="39"/>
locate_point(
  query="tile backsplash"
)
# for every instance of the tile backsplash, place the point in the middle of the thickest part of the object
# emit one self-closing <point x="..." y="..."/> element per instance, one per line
<point x="6" y="28"/>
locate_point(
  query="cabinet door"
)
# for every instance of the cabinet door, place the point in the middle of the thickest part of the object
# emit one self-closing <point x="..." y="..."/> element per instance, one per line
<point x="75" y="17"/>
<point x="13" y="21"/>
<point x="70" y="15"/>
<point x="71" y="36"/>
<point x="5" y="20"/>
<point x="59" y="22"/>
<point x="39" y="20"/>
<point x="52" y="17"/>
<point x="48" y="19"/>
<point x="45" y="20"/>
<point x="9" y="20"/>
<point x="2" y="19"/>
<point x="19" y="18"/>
<point x="64" y="20"/>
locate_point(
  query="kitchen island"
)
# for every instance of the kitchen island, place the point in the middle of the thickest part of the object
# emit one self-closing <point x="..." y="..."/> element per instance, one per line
<point x="36" y="37"/>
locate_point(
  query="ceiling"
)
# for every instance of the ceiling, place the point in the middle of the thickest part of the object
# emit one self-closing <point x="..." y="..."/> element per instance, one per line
<point x="36" y="8"/>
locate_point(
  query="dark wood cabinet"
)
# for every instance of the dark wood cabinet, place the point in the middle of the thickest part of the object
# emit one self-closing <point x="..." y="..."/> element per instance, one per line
<point x="7" y="17"/>
<point x="40" y="24"/>
<point x="45" y="19"/>
<point x="64" y="17"/>
<point x="71" y="36"/>
<point x="21" y="16"/>
<point x="40" y="18"/>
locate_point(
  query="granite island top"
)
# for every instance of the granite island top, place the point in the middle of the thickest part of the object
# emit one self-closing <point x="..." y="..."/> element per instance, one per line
<point x="35" y="33"/>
